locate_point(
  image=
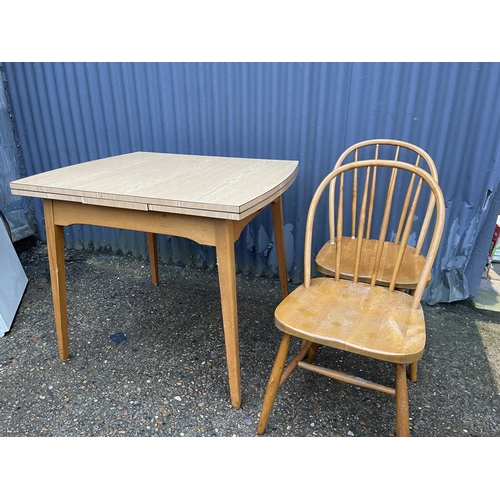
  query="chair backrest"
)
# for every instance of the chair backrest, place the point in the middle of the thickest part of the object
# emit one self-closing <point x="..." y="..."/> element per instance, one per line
<point x="389" y="149"/>
<point x="364" y="188"/>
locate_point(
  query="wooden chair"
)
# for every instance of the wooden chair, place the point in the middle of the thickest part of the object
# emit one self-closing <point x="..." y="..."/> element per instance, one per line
<point x="413" y="260"/>
<point x="361" y="317"/>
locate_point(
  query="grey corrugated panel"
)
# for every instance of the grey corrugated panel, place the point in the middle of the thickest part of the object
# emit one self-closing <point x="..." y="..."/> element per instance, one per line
<point x="74" y="112"/>
<point x="13" y="208"/>
<point x="451" y="111"/>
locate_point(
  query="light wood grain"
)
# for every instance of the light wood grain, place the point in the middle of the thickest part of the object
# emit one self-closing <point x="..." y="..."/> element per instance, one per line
<point x="153" y="257"/>
<point x="407" y="278"/>
<point x="224" y="245"/>
<point x="57" y="268"/>
<point x="206" y="199"/>
<point x="222" y="187"/>
<point x="279" y="239"/>
<point x="355" y="317"/>
<point x="411" y="264"/>
<point x="387" y="255"/>
<point x="350" y="311"/>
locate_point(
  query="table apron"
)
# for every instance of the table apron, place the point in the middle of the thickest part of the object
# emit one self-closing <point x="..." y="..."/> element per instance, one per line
<point x="197" y="228"/>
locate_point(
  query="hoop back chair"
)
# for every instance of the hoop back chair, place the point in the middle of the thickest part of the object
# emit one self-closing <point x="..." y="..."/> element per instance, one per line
<point x="353" y="315"/>
<point x="413" y="260"/>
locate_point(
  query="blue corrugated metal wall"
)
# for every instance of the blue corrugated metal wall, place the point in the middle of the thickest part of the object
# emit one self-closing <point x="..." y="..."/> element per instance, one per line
<point x="73" y="112"/>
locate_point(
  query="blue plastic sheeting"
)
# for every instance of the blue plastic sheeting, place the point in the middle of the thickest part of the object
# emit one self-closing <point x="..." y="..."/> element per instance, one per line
<point x="74" y="112"/>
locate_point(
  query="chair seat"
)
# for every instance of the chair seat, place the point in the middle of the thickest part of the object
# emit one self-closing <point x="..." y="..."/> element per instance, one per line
<point x="355" y="317"/>
<point x="408" y="276"/>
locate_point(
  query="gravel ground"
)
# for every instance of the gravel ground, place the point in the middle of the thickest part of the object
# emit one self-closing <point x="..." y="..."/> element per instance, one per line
<point x="149" y="360"/>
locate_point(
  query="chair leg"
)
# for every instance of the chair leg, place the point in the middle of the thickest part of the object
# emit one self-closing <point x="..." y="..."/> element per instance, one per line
<point x="274" y="383"/>
<point x="413" y="368"/>
<point x="312" y="353"/>
<point x="402" y="408"/>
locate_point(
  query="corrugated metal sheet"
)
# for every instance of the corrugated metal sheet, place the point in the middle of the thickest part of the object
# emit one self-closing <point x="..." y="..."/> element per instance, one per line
<point x="13" y="208"/>
<point x="73" y="112"/>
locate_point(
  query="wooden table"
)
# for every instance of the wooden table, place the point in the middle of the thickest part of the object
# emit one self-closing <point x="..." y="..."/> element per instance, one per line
<point x="204" y="198"/>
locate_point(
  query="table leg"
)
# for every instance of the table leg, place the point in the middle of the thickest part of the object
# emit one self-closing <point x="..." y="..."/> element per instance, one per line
<point x="224" y="243"/>
<point x="153" y="257"/>
<point x="55" y="248"/>
<point x="279" y="236"/>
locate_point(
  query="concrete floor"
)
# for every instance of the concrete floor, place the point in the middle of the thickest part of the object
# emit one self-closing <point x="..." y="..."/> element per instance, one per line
<point x="488" y="297"/>
<point x="150" y="361"/>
